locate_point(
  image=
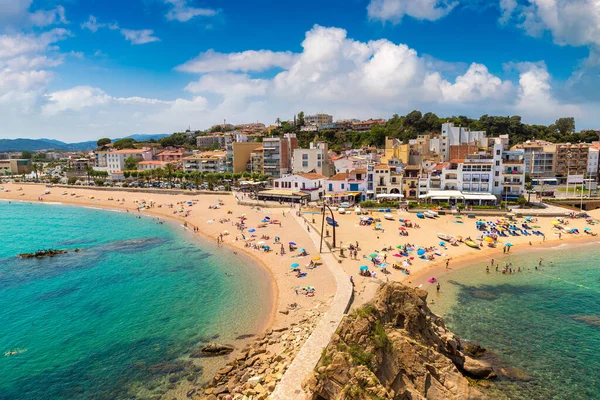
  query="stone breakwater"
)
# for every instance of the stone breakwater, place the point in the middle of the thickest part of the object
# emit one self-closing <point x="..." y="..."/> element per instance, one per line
<point x="256" y="370"/>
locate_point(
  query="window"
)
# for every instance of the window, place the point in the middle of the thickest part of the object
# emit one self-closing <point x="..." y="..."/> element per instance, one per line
<point x="295" y="184"/>
<point x="276" y="184"/>
<point x="305" y="156"/>
<point x="497" y="163"/>
<point x="496" y="184"/>
<point x="497" y="152"/>
<point x="343" y="186"/>
<point x="305" y="163"/>
<point x="318" y="163"/>
<point x="497" y="173"/>
<point x="331" y="187"/>
<point x="319" y="156"/>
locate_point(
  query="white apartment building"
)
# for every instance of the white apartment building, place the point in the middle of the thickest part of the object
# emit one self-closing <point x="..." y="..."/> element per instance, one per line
<point x="383" y="179"/>
<point x="592" y="167"/>
<point x="313" y="159"/>
<point x="350" y="186"/>
<point x="115" y="160"/>
<point x="310" y="183"/>
<point x="210" y="140"/>
<point x="455" y="135"/>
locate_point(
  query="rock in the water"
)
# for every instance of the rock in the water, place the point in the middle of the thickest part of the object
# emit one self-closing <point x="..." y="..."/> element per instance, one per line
<point x="478" y="369"/>
<point x="473" y="349"/>
<point x="212" y="350"/>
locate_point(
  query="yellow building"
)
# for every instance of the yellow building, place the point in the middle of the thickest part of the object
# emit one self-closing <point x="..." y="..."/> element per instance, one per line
<point x="240" y="155"/>
<point x="395" y="149"/>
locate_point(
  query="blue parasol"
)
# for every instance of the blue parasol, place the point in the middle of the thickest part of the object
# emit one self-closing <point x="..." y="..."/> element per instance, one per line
<point x="292" y="243"/>
<point x="382" y="266"/>
<point x="443" y="244"/>
<point x="295" y="265"/>
<point x="267" y="218"/>
<point x="509" y="245"/>
<point x="302" y="250"/>
<point x="421" y="252"/>
<point x="364" y="268"/>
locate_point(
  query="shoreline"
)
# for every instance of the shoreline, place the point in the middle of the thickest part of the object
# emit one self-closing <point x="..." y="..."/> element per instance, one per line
<point x="270" y="319"/>
<point x="467" y="260"/>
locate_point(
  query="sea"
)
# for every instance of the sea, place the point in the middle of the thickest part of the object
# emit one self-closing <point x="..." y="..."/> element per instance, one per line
<point x="541" y="325"/>
<point x="119" y="318"/>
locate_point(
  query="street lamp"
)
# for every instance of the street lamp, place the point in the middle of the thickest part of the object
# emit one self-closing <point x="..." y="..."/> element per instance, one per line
<point x="323" y="226"/>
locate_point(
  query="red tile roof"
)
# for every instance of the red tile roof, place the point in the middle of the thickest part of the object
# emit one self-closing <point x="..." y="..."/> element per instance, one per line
<point x="342" y="176"/>
<point x="312" y="176"/>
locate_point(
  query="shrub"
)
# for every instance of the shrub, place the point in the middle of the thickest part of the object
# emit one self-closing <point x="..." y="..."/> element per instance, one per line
<point x="326" y="358"/>
<point x="365" y="311"/>
<point x="55" y="180"/>
<point x="380" y="337"/>
<point x="99" y="182"/>
<point x="72" y="180"/>
<point x="360" y="356"/>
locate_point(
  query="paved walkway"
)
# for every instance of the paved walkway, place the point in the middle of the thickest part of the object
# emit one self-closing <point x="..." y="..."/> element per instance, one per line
<point x="290" y="386"/>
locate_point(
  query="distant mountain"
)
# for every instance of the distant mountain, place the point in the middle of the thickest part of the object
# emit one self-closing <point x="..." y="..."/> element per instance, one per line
<point x="50" y="144"/>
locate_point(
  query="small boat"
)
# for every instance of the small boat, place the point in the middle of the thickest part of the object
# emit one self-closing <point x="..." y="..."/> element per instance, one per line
<point x="388" y="217"/>
<point x="472" y="244"/>
<point x="446" y="237"/>
<point x="430" y="214"/>
<point x="420" y="215"/>
<point x="342" y="211"/>
<point x="331" y="222"/>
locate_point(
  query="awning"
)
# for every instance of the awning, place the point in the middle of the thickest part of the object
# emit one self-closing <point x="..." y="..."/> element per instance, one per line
<point x="389" y="196"/>
<point x="480" y="196"/>
<point x="353" y="193"/>
<point x="443" y="194"/>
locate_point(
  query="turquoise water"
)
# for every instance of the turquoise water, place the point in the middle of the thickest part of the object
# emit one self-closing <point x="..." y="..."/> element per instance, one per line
<point x="103" y="322"/>
<point x="545" y="322"/>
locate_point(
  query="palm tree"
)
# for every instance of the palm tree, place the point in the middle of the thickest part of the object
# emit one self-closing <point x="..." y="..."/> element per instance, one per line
<point x="529" y="189"/>
<point x="278" y="121"/>
<point x="169" y="172"/>
<point x="35" y="167"/>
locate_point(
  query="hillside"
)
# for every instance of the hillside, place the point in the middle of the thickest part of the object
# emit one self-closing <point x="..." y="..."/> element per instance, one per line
<point x="50" y="144"/>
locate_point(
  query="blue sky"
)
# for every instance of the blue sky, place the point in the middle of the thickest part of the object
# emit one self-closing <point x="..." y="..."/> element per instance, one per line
<point x="79" y="70"/>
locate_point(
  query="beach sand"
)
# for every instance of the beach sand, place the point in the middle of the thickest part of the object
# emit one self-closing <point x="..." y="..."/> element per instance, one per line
<point x="372" y="241"/>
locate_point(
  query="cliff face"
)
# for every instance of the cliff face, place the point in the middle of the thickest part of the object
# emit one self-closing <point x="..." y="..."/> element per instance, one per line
<point x="395" y="348"/>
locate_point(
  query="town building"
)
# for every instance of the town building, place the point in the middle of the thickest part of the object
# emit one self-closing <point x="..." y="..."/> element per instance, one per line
<point x="593" y="161"/>
<point x="171" y="156"/>
<point x="313" y="159"/>
<point x="15" y="166"/>
<point x="115" y="160"/>
<point x="78" y="166"/>
<point x="349" y="186"/>
<point x="318" y="119"/>
<point x="383" y="180"/>
<point x="362" y="126"/>
<point x="410" y="182"/>
<point x="312" y="184"/>
<point x="150" y="165"/>
<point x="207" y="141"/>
<point x="239" y="155"/>
<point x="539" y="158"/>
<point x="277" y="155"/>
<point x="207" y="161"/>
<point x="571" y="159"/>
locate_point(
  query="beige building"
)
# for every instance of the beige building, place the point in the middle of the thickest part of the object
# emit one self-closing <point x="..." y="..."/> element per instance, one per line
<point x="207" y="161"/>
<point x="571" y="159"/>
<point x="15" y="166"/>
<point x="313" y="159"/>
<point x="239" y="154"/>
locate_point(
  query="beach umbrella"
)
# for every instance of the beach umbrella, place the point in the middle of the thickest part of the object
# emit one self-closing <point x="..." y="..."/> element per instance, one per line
<point x="488" y="239"/>
<point x="370" y="218"/>
<point x="251" y="230"/>
<point x="264" y="221"/>
<point x="402" y="228"/>
<point x="373" y="255"/>
<point x="527" y="218"/>
<point x="555" y="223"/>
<point x="420" y="252"/>
<point x="261" y="242"/>
<point x="295" y="265"/>
<point x="397" y="255"/>
<point x="382" y="266"/>
<point x="587" y="229"/>
<point x="378" y="224"/>
<point x="302" y="250"/>
<point x="432" y="280"/>
<point x="364" y="268"/>
<point x="458" y="217"/>
<point x="268" y="247"/>
<point x="317" y="258"/>
<point x="267" y="218"/>
<point x="508" y="244"/>
<point x="442" y="244"/>
<point x="292" y="243"/>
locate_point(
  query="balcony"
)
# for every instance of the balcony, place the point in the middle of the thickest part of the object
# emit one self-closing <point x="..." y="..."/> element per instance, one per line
<point x="513" y="183"/>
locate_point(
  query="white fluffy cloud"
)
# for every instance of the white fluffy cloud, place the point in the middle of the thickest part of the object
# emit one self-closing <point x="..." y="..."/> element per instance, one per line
<point x="92" y="24"/>
<point x="571" y="22"/>
<point x="332" y="73"/>
<point x="13" y="13"/>
<point x="182" y="12"/>
<point x="250" y="60"/>
<point x="49" y="17"/>
<point x="141" y="36"/>
<point x="395" y="10"/>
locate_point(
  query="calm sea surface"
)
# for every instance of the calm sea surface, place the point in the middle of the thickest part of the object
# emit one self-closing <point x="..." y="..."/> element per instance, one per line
<point x="545" y="323"/>
<point x="117" y="319"/>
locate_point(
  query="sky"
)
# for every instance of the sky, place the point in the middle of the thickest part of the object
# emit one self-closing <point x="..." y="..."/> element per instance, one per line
<point x="78" y="70"/>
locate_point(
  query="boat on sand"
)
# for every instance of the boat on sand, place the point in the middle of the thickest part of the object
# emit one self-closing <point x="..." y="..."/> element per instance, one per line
<point x="472" y="244"/>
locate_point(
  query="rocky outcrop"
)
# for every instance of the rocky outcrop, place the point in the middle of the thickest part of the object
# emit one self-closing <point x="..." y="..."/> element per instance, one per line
<point x="395" y="348"/>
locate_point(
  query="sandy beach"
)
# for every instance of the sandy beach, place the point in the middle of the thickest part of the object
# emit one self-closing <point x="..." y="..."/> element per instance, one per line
<point x="372" y="241"/>
<point x="209" y="227"/>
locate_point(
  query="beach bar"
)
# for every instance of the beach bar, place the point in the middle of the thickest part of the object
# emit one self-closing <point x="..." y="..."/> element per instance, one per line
<point x="286" y="196"/>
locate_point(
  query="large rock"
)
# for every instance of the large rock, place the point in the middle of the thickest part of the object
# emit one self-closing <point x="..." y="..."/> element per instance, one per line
<point x="212" y="350"/>
<point x="395" y="348"/>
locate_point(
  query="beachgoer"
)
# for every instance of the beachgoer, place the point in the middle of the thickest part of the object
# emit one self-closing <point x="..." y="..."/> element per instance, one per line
<point x="438" y="287"/>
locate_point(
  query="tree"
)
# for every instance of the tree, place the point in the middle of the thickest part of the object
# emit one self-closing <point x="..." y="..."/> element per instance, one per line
<point x="529" y="190"/>
<point x="121" y="144"/>
<point x="71" y="180"/>
<point x="565" y="125"/>
<point x="300" y="119"/>
<point x="27" y="155"/>
<point x="278" y="121"/>
<point x="131" y="163"/>
<point x="103" y="142"/>
<point x="35" y="167"/>
<point x="169" y="172"/>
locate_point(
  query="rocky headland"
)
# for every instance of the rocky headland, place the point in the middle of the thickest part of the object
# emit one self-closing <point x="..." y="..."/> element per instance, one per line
<point x="394" y="347"/>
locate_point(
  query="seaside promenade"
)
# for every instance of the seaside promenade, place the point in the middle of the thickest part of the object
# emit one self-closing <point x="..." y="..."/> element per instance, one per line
<point x="290" y="386"/>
